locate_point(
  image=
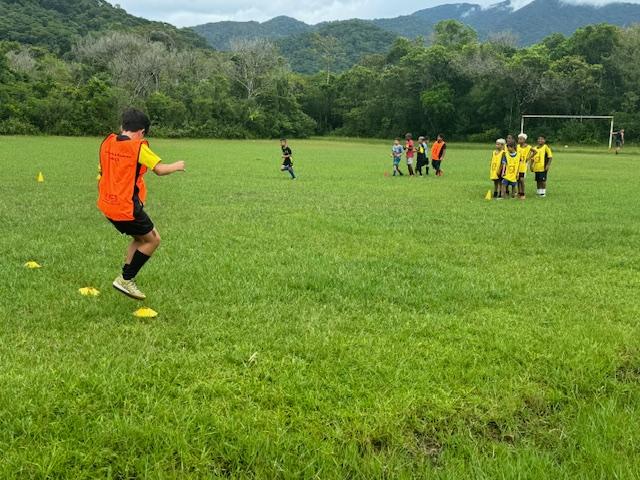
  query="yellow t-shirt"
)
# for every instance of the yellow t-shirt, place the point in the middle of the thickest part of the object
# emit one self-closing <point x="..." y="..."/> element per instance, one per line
<point x="512" y="167"/>
<point x="540" y="157"/>
<point x="494" y="168"/>
<point x="148" y="158"/>
<point x="524" y="157"/>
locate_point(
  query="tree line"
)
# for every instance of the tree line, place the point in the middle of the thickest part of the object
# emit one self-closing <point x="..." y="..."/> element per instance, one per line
<point x="456" y="84"/>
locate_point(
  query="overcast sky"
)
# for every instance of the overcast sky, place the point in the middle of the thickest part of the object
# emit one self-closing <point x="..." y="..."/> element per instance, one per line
<point x="185" y="13"/>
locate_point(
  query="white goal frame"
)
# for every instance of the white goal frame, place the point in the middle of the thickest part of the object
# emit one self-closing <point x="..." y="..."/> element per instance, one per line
<point x="579" y="117"/>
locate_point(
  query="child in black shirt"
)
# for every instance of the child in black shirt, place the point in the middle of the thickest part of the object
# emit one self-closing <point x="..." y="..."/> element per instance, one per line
<point x="287" y="164"/>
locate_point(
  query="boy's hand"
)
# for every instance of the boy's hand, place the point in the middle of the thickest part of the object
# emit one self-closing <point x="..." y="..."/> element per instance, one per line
<point x="179" y="166"/>
<point x="162" y="169"/>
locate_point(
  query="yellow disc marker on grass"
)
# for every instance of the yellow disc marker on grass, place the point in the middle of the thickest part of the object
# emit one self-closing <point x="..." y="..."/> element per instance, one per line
<point x="89" y="291"/>
<point x="489" y="195"/>
<point x="145" y="312"/>
<point x="31" y="264"/>
<point x="40" y="177"/>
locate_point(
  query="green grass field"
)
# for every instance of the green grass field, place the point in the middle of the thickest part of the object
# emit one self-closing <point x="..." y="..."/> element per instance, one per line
<point x="343" y="325"/>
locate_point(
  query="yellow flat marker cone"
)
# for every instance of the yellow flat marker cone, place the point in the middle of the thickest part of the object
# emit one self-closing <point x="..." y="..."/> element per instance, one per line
<point x="145" y="312"/>
<point x="489" y="195"/>
<point x="31" y="264"/>
<point x="89" y="291"/>
<point x="40" y="177"/>
<point x="98" y="178"/>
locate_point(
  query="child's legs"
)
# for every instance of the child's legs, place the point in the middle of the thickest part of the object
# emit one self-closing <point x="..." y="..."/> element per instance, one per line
<point x="521" y="185"/>
<point x="146" y="244"/>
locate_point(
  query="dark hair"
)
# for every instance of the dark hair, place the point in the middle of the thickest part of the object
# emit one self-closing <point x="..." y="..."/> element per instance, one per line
<point x="441" y="136"/>
<point x="283" y="139"/>
<point x="134" y="120"/>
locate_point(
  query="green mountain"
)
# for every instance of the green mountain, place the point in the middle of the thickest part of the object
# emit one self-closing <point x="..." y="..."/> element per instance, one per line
<point x="351" y="40"/>
<point x="356" y="38"/>
<point x="220" y="34"/>
<point x="56" y="24"/>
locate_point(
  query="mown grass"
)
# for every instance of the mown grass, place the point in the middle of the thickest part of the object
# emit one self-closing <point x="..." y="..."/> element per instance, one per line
<point x="343" y="325"/>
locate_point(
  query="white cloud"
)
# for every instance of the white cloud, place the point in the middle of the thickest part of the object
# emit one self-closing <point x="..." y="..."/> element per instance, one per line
<point x="195" y="12"/>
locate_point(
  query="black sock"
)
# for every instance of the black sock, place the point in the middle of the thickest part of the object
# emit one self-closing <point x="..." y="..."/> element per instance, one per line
<point x="130" y="271"/>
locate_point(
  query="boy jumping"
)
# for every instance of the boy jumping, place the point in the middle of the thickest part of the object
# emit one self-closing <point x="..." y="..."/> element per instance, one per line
<point x="124" y="159"/>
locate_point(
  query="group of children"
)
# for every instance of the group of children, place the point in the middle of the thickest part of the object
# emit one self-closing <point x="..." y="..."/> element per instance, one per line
<point x="510" y="161"/>
<point x="421" y="150"/>
<point x="508" y="169"/>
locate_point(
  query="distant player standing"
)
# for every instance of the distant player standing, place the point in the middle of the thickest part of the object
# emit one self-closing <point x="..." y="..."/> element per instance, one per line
<point x="540" y="164"/>
<point x="524" y="149"/>
<point x="287" y="161"/>
<point x="124" y="159"/>
<point x="409" y="152"/>
<point x="396" y="154"/>
<point x="438" y="151"/>
<point x="495" y="167"/>
<point x="510" y="169"/>
<point x="619" y="139"/>
<point x="423" y="158"/>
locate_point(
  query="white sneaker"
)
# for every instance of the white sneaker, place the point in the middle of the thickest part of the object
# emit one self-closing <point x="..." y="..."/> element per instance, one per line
<point x="128" y="287"/>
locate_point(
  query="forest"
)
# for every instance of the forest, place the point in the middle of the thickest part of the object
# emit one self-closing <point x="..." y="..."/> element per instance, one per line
<point x="451" y="82"/>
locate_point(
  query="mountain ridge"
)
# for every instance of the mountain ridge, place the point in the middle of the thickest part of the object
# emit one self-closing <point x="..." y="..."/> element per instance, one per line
<point x="567" y="17"/>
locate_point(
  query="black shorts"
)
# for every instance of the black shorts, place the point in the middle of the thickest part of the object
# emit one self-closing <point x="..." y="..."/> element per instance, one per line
<point x="541" y="176"/>
<point x="618" y="143"/>
<point x="140" y="225"/>
<point x="436" y="164"/>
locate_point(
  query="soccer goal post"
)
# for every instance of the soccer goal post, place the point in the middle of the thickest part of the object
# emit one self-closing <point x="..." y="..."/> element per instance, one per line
<point x="575" y="117"/>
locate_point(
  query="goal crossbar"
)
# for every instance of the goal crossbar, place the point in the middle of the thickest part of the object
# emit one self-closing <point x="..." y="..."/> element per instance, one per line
<point x="577" y="117"/>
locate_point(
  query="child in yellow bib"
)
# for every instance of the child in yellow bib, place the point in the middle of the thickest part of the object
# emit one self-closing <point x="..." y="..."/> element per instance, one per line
<point x="510" y="169"/>
<point x="540" y="164"/>
<point x="495" y="168"/>
<point x="525" y="151"/>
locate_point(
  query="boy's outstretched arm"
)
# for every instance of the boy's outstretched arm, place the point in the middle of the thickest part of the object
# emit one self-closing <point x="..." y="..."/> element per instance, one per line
<point x="162" y="169"/>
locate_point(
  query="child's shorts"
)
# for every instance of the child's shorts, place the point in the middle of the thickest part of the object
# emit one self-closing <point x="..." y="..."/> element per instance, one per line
<point x="541" y="176"/>
<point x="509" y="184"/>
<point x="396" y="161"/>
<point x="409" y="160"/>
